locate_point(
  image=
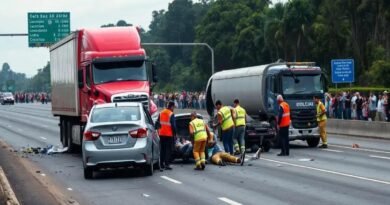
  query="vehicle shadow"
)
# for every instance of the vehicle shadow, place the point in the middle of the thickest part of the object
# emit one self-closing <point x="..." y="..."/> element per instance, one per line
<point x="115" y="173"/>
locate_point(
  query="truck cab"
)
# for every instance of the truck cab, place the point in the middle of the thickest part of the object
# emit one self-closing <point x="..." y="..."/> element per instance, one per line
<point x="298" y="83"/>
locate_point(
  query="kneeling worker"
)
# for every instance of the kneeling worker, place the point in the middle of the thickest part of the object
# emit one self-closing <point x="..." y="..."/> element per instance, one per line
<point x="198" y="132"/>
<point x="217" y="155"/>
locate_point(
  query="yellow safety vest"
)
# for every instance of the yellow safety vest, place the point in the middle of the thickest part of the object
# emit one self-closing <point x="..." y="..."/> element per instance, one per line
<point x="227" y="121"/>
<point x="199" y="128"/>
<point x="319" y="111"/>
<point x="241" y="114"/>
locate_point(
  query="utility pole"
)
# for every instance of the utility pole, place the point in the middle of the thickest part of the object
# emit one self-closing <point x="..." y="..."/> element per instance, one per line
<point x="187" y="44"/>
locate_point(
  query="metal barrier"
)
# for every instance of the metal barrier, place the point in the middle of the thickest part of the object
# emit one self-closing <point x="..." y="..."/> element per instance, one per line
<point x="359" y="128"/>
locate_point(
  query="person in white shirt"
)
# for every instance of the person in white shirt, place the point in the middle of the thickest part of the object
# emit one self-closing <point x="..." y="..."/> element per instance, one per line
<point x="379" y="109"/>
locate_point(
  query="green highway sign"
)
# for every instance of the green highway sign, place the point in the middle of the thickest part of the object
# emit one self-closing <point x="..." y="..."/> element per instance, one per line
<point x="46" y="28"/>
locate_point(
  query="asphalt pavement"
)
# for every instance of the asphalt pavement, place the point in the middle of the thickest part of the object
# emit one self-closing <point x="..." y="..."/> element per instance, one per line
<point x="338" y="175"/>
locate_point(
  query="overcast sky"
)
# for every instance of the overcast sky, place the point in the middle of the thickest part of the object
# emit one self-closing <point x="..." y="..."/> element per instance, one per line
<point x="83" y="14"/>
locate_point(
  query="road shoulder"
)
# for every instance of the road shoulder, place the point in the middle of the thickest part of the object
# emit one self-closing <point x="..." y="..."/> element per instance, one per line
<point x="29" y="186"/>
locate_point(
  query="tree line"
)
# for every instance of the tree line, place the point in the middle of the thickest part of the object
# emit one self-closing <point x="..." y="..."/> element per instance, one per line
<point x="252" y="32"/>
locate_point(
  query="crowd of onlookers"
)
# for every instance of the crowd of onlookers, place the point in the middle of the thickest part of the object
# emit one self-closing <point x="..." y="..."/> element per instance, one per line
<point x="343" y="105"/>
<point x="182" y="100"/>
<point x="346" y="105"/>
<point x="32" y="97"/>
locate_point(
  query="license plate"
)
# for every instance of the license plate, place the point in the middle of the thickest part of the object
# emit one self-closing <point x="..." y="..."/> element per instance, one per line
<point x="114" y="140"/>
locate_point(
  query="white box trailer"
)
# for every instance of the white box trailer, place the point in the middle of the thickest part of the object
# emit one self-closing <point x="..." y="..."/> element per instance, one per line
<point x="64" y="80"/>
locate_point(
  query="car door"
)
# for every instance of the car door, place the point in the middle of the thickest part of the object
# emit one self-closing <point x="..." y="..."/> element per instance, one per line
<point x="154" y="135"/>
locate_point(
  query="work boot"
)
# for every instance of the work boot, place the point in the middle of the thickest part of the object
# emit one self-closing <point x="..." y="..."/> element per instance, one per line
<point x="242" y="158"/>
<point x="324" y="146"/>
<point x="203" y="165"/>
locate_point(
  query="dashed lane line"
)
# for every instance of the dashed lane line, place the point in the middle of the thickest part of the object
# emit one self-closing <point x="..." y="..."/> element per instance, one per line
<point x="332" y="150"/>
<point x="229" y="201"/>
<point x="379" y="157"/>
<point x="329" y="171"/>
<point x="171" y="180"/>
<point x="361" y="149"/>
<point x="44" y="138"/>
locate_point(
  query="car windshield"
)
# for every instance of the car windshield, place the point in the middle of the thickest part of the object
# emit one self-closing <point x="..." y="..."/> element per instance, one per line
<point x="116" y="114"/>
<point x="119" y="71"/>
<point x="307" y="84"/>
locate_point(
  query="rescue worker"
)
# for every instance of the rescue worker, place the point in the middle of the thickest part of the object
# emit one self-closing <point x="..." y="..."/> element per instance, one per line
<point x="225" y="120"/>
<point x="283" y="124"/>
<point x="167" y="131"/>
<point x="198" y="132"/>
<point x="239" y="130"/>
<point x="321" y="119"/>
<point x="217" y="155"/>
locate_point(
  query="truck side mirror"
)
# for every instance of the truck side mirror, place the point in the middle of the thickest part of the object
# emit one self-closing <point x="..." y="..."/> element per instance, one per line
<point x="325" y="82"/>
<point x="80" y="79"/>
<point x="154" y="73"/>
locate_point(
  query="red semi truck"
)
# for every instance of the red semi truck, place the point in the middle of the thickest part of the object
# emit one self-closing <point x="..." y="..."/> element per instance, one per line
<point x="97" y="66"/>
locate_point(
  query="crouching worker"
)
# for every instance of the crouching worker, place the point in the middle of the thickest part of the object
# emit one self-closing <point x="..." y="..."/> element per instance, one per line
<point x="198" y="132"/>
<point x="217" y="155"/>
<point x="184" y="147"/>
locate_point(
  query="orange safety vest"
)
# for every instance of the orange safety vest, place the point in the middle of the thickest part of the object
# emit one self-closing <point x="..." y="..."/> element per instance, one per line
<point x="165" y="122"/>
<point x="285" y="121"/>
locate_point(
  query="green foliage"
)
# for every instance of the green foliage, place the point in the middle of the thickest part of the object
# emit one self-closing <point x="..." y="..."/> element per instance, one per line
<point x="359" y="89"/>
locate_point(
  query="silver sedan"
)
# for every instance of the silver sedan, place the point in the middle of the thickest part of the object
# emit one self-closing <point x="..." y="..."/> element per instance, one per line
<point x="120" y="135"/>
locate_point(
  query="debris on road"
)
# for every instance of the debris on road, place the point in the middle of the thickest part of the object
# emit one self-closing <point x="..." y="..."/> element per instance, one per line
<point x="306" y="159"/>
<point x="355" y="145"/>
<point x="50" y="149"/>
<point x="146" y="195"/>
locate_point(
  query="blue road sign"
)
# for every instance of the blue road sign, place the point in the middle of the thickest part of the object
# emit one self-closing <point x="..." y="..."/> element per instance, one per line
<point x="343" y="71"/>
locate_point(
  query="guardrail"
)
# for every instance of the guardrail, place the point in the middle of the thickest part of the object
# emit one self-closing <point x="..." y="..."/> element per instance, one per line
<point x="359" y="128"/>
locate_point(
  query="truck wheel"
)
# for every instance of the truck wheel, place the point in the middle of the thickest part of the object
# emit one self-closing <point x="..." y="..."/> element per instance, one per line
<point x="69" y="143"/>
<point x="63" y="132"/>
<point x="313" y="142"/>
<point x="88" y="172"/>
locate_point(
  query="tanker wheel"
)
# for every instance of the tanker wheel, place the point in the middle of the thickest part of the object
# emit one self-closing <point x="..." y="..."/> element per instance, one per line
<point x="313" y="142"/>
<point x="275" y="142"/>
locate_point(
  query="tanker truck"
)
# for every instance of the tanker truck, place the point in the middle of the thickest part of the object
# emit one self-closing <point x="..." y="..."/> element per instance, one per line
<point x="93" y="66"/>
<point x="257" y="88"/>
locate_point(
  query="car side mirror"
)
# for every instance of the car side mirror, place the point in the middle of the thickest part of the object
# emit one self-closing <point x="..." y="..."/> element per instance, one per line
<point x="80" y="79"/>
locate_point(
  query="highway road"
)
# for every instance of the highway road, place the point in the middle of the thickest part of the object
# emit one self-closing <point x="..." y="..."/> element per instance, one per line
<point x="338" y="175"/>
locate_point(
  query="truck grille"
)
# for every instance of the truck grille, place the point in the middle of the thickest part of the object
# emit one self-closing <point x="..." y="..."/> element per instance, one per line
<point x="144" y="99"/>
<point x="303" y="119"/>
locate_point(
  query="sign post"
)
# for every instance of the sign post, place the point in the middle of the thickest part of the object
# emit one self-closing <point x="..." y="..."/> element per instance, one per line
<point x="343" y="71"/>
<point x="46" y="28"/>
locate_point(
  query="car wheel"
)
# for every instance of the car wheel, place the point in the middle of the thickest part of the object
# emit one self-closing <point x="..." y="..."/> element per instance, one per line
<point x="148" y="168"/>
<point x="157" y="165"/>
<point x="88" y="172"/>
<point x="266" y="145"/>
<point x="313" y="142"/>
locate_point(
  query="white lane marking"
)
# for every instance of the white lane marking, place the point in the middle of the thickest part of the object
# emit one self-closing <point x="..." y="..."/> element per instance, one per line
<point x="171" y="180"/>
<point x="44" y="138"/>
<point x="380" y="157"/>
<point x="332" y="150"/>
<point x="20" y="130"/>
<point x="229" y="201"/>
<point x="45" y="126"/>
<point x="9" y="126"/>
<point x="70" y="189"/>
<point x="361" y="149"/>
<point x="330" y="172"/>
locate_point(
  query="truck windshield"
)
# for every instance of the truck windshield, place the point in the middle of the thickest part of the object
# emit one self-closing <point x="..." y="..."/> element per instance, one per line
<point x="119" y="71"/>
<point x="306" y="84"/>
